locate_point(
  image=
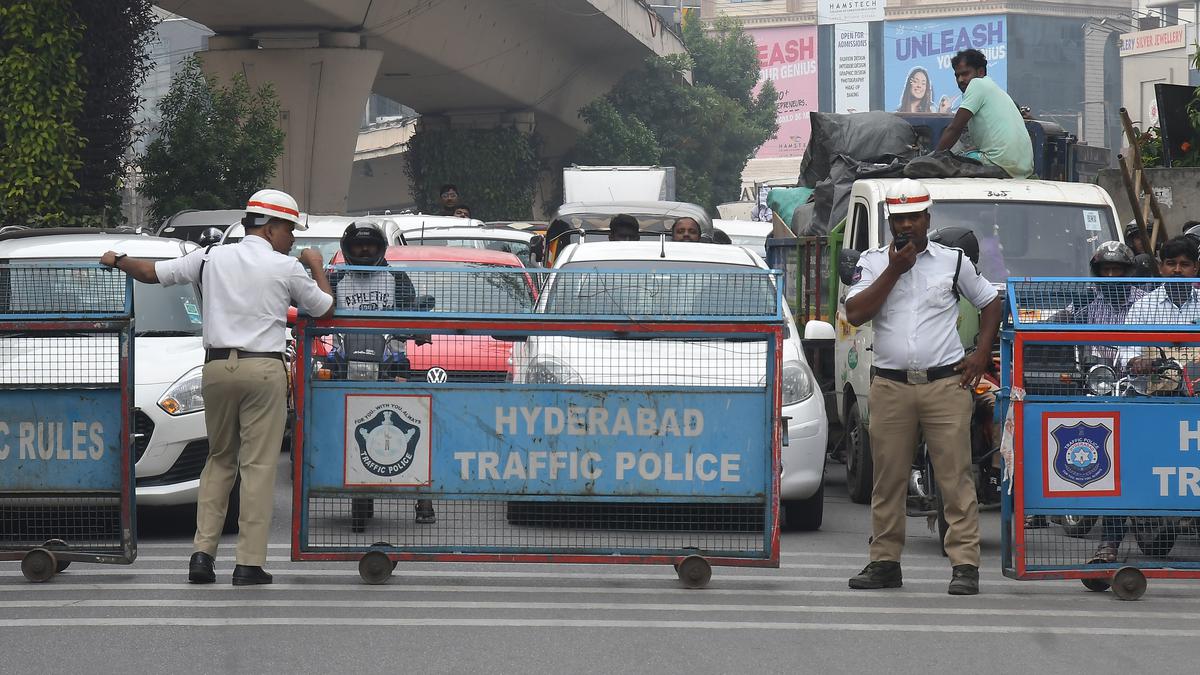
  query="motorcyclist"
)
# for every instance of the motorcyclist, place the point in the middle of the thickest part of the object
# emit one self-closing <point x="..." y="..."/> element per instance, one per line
<point x="1112" y="300"/>
<point x="364" y="244"/>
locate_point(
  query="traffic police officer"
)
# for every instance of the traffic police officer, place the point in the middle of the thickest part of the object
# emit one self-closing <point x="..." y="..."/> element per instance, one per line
<point x="246" y="290"/>
<point x="921" y="383"/>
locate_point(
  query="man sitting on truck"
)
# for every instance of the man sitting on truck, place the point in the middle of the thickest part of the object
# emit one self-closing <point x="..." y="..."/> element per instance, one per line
<point x="994" y="121"/>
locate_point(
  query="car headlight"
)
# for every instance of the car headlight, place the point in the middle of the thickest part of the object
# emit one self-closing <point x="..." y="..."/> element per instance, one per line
<point x="184" y="396"/>
<point x="549" y="370"/>
<point x="798" y="384"/>
<point x="1102" y="380"/>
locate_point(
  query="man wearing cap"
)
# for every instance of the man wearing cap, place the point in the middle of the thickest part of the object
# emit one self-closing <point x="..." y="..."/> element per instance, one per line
<point x="246" y="289"/>
<point x="921" y="383"/>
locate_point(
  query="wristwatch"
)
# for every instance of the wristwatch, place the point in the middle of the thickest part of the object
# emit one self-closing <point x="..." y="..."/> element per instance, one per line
<point x="117" y="259"/>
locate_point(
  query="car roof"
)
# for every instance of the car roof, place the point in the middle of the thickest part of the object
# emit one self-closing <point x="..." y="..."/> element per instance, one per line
<point x="220" y="218"/>
<point x="62" y="243"/>
<point x="503" y="234"/>
<point x="634" y="208"/>
<point x="324" y="226"/>
<point x="599" y="251"/>
<point x="743" y="228"/>
<point x="999" y="189"/>
<point x="448" y="254"/>
<point x="415" y="221"/>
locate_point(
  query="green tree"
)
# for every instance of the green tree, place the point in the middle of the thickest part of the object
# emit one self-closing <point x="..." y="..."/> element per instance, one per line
<point x="707" y="130"/>
<point x="215" y="146"/>
<point x="613" y="139"/>
<point x="496" y="170"/>
<point x="114" y="61"/>
<point x="40" y="99"/>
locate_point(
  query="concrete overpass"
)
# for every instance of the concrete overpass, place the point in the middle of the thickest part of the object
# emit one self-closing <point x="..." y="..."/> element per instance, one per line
<point x="531" y="63"/>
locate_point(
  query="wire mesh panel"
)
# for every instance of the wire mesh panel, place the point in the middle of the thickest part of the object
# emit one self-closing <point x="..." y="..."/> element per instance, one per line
<point x="556" y="435"/>
<point x="65" y="401"/>
<point x="1105" y="303"/>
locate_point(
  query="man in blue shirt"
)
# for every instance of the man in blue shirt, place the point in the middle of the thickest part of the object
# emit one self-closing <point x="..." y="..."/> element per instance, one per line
<point x="994" y="120"/>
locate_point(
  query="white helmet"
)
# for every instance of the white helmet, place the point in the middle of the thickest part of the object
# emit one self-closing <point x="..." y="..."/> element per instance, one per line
<point x="275" y="204"/>
<point x="908" y="196"/>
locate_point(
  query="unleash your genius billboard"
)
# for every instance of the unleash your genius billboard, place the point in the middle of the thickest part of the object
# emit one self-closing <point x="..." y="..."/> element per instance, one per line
<point x="787" y="56"/>
<point x="917" y="70"/>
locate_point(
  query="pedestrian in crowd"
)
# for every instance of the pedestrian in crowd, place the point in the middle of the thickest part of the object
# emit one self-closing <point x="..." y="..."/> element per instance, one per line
<point x="449" y="198"/>
<point x="1174" y="302"/>
<point x="994" y="120"/>
<point x="246" y="290"/>
<point x="364" y="244"/>
<point x="685" y="229"/>
<point x="462" y="211"/>
<point x="623" y="227"/>
<point x="921" y="382"/>
<point x="719" y="237"/>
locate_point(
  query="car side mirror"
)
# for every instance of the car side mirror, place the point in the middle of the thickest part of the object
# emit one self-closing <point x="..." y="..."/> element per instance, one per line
<point x="847" y="261"/>
<point x="537" y="246"/>
<point x="819" y="330"/>
<point x="425" y="303"/>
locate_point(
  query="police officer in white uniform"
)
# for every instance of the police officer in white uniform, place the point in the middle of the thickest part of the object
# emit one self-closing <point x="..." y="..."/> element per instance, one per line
<point x="921" y="383"/>
<point x="246" y="290"/>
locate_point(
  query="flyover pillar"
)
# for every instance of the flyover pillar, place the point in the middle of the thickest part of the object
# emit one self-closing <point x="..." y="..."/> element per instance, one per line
<point x="322" y="81"/>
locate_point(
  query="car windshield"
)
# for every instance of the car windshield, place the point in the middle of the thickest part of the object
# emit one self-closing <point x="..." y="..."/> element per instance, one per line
<point x="593" y="222"/>
<point x="503" y="290"/>
<point x="672" y="288"/>
<point x="164" y="311"/>
<point x="328" y="246"/>
<point x="1027" y="239"/>
<point x="518" y="248"/>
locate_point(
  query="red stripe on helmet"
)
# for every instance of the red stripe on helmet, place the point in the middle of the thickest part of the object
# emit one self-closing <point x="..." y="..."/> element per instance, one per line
<point x="275" y="207"/>
<point x="907" y="200"/>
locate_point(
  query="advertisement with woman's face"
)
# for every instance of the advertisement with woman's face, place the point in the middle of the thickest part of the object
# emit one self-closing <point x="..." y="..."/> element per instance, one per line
<point x="918" y="74"/>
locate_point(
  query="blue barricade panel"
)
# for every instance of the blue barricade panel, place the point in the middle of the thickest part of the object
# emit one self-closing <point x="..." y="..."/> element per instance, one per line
<point x="60" y="441"/>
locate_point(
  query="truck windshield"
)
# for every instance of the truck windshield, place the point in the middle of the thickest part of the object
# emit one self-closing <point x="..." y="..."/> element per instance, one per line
<point x="1027" y="239"/>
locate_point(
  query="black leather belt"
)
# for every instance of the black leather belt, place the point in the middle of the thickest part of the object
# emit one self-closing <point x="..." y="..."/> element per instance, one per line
<point x="916" y="376"/>
<point x="222" y="354"/>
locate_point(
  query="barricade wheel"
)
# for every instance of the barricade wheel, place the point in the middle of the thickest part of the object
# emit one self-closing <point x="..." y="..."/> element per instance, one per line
<point x="375" y="567"/>
<point x="694" y="571"/>
<point x="1097" y="585"/>
<point x="58" y="545"/>
<point x="1129" y="583"/>
<point x="39" y="565"/>
<point x="384" y="544"/>
<point x="62" y="565"/>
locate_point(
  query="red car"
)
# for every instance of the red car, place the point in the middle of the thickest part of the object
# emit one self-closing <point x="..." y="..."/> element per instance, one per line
<point x="462" y="358"/>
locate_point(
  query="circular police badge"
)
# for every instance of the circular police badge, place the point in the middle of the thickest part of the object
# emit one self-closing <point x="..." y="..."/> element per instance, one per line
<point x="386" y="443"/>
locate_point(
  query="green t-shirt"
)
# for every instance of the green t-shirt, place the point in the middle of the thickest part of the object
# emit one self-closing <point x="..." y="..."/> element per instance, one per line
<point x="997" y="128"/>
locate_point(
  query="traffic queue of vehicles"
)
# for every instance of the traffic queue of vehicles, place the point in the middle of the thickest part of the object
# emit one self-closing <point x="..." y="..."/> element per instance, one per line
<point x="170" y="438"/>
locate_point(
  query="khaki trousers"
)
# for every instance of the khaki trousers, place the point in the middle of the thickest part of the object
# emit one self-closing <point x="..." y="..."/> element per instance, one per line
<point x="245" y="410"/>
<point x="899" y="412"/>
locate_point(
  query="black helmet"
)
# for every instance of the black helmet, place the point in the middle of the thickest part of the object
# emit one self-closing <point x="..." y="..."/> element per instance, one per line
<point x="364" y="232"/>
<point x="1144" y="266"/>
<point x="1112" y="252"/>
<point x="958" y="237"/>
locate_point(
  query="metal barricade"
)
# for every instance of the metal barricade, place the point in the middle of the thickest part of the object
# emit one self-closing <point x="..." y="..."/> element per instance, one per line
<point x="605" y="417"/>
<point x="66" y="396"/>
<point x="1099" y="379"/>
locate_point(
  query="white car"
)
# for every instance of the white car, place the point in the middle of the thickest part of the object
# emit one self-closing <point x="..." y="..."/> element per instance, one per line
<point x="527" y="246"/>
<point x="324" y="233"/>
<point x="749" y="233"/>
<point x="170" y="440"/>
<point x="712" y="363"/>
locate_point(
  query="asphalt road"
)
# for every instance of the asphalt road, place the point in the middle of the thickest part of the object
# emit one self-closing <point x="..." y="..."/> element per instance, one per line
<point x="503" y="618"/>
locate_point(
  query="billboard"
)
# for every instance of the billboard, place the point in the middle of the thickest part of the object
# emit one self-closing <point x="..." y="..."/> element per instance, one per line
<point x="787" y="56"/>
<point x="842" y="11"/>
<point x="917" y="72"/>
<point x="852" y="67"/>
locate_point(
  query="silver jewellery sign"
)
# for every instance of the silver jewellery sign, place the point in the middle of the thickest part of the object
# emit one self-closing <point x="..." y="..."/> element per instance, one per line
<point x="849" y="11"/>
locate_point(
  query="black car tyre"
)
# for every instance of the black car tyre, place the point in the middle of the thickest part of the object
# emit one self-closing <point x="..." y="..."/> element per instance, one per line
<point x="804" y="515"/>
<point x="859" y="466"/>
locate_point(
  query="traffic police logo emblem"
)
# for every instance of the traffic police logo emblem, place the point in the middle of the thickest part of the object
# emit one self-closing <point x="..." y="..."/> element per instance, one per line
<point x="436" y="375"/>
<point x="387" y="440"/>
<point x="1081" y="454"/>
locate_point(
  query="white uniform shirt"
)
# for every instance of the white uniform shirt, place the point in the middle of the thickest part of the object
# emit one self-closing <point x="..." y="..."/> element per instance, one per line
<point x="917" y="325"/>
<point x="247" y="288"/>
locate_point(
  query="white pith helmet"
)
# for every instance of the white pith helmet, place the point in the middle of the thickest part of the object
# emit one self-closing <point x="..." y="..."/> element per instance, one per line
<point x="275" y="204"/>
<point x="908" y="196"/>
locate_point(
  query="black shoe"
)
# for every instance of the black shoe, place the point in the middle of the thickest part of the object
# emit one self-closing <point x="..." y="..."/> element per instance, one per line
<point x="248" y="575"/>
<point x="425" y="514"/>
<point x="200" y="569"/>
<point x="964" y="580"/>
<point x="878" y="574"/>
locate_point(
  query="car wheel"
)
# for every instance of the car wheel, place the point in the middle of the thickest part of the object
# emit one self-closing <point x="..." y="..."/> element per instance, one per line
<point x="804" y="515"/>
<point x="1155" y="535"/>
<point x="1078" y="527"/>
<point x="859" y="467"/>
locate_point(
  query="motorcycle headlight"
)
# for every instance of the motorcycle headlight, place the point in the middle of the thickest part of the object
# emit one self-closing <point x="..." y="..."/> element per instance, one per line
<point x="549" y="370"/>
<point x="184" y="396"/>
<point x="1102" y="380"/>
<point x="362" y="370"/>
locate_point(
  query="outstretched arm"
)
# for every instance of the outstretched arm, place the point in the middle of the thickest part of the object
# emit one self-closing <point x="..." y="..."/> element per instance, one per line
<point x="142" y="270"/>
